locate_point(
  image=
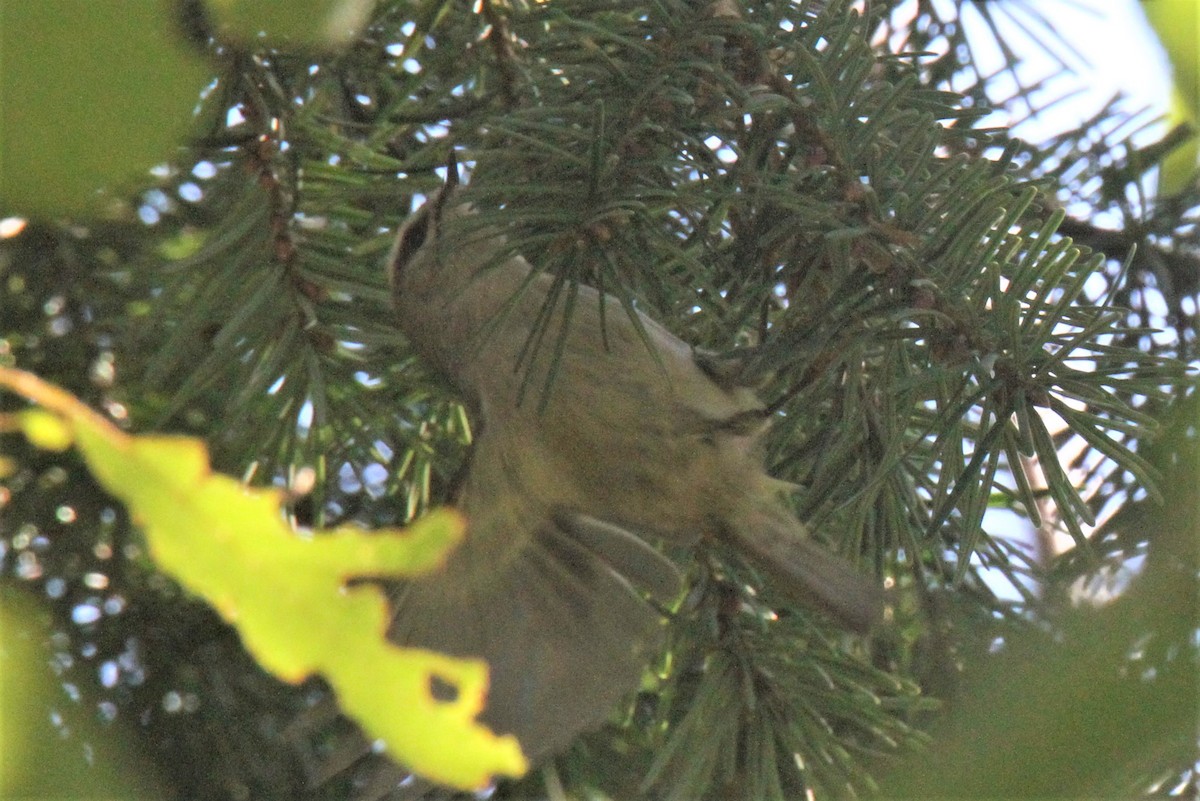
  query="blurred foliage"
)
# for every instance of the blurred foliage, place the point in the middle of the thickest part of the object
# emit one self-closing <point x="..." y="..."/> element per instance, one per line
<point x="1177" y="24"/>
<point x="88" y="107"/>
<point x="38" y="761"/>
<point x="297" y="24"/>
<point x="1066" y="713"/>
<point x="765" y="175"/>
<point x="293" y="599"/>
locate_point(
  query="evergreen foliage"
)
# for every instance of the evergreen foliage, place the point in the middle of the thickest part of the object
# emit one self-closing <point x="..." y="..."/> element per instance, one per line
<point x="918" y="297"/>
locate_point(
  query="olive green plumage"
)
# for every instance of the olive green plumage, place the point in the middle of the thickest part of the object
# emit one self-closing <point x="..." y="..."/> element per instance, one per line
<point x="632" y="436"/>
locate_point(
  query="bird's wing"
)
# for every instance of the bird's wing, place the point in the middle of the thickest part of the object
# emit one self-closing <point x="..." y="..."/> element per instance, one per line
<point x="552" y="600"/>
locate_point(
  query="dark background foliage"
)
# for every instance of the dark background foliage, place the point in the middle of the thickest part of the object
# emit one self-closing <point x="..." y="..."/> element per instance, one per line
<point x="785" y="178"/>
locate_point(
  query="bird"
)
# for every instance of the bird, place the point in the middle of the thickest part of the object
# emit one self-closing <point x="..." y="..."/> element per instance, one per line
<point x="613" y="435"/>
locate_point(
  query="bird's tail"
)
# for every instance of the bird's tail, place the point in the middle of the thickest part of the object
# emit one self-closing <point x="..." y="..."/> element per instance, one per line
<point x="560" y="618"/>
<point x="777" y="544"/>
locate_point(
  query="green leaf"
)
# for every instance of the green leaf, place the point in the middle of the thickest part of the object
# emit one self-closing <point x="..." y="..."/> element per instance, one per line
<point x="92" y="94"/>
<point x="34" y="761"/>
<point x="1177" y="23"/>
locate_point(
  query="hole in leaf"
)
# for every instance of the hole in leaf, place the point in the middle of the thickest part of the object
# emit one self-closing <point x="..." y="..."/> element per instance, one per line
<point x="442" y="690"/>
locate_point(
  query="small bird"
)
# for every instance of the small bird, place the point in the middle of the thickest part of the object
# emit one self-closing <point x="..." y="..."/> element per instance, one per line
<point x="585" y="445"/>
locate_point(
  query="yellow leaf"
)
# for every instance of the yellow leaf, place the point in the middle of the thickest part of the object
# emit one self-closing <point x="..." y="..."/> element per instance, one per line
<point x="45" y="430"/>
<point x="291" y="597"/>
